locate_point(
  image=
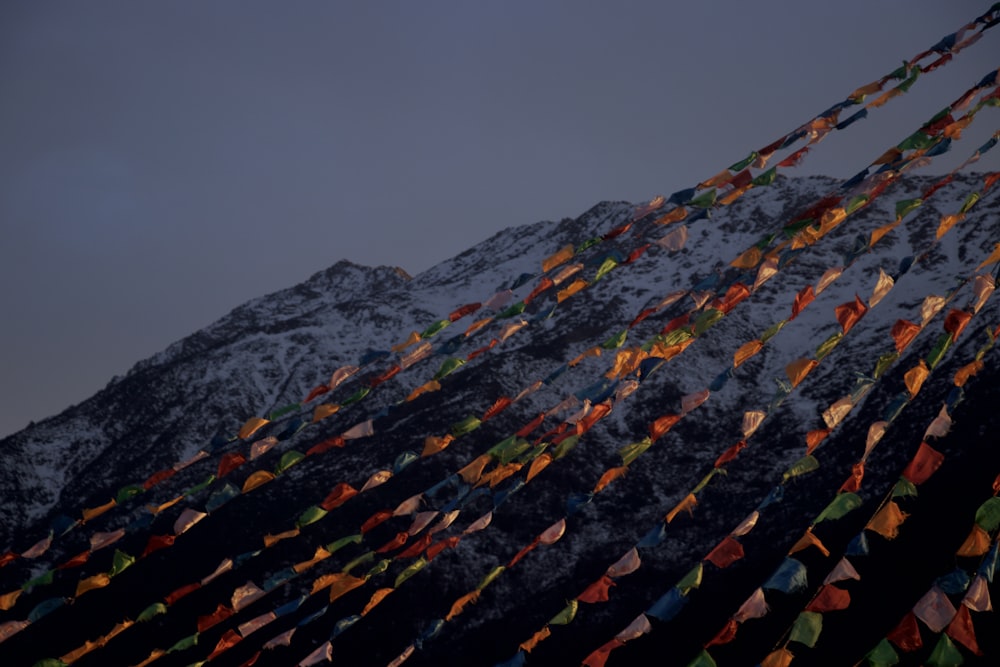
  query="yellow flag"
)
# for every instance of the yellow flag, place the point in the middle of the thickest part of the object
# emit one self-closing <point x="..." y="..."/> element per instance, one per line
<point x="90" y="583"/>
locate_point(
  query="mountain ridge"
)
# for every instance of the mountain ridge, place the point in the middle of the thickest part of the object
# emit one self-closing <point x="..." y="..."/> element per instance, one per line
<point x="272" y="351"/>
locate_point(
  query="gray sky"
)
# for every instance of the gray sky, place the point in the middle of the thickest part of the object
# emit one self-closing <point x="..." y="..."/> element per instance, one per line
<point x="161" y="163"/>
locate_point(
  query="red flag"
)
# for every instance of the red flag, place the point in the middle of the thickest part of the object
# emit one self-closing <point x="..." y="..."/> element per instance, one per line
<point x="388" y="374"/>
<point x="730" y="453"/>
<point x="830" y="598"/>
<point x="543" y="284"/>
<point x="641" y="316"/>
<point x="906" y="635"/>
<point x="230" y="639"/>
<point x="157" y="542"/>
<point x="461" y="312"/>
<point x="340" y="495"/>
<point x="961" y="630"/>
<point x="597" y="591"/>
<point x="924" y="464"/>
<point x="181" y="592"/>
<point x="617" y="231"/>
<point x="436" y="548"/>
<point x="637" y="253"/>
<point x="158" y="477"/>
<point x="600" y="657"/>
<point x="523" y="552"/>
<point x="374" y="520"/>
<point x="394" y="543"/>
<point x="77" y="560"/>
<point x="676" y="323"/>
<point x="725" y="635"/>
<point x="955" y="323"/>
<point x="531" y="426"/>
<point x="330" y="443"/>
<point x="853" y="482"/>
<point x="317" y="391"/>
<point x="230" y="462"/>
<point x="499" y="406"/>
<point x="725" y="553"/>
<point x="849" y="313"/>
<point x="221" y="613"/>
<point x="416" y="548"/>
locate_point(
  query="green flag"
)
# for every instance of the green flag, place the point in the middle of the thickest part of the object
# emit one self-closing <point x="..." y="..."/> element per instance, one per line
<point x="121" y="562"/>
<point x="288" y="459"/>
<point x="152" y="610"/>
<point x="839" y="507"/>
<point x="804" y="465"/>
<point x="691" y="580"/>
<point x="411" y="570"/>
<point x="566" y="616"/>
<point x="615" y="341"/>
<point x="883" y="655"/>
<point x="448" y="367"/>
<point x="807" y="628"/>
<point x="310" y="515"/>
<point x="467" y="425"/>
<point x="434" y="328"/>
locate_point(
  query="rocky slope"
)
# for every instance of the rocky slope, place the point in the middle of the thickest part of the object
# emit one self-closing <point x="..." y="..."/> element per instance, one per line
<point x="271" y="352"/>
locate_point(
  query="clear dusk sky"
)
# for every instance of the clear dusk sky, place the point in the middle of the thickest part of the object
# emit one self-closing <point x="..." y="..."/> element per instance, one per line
<point x="163" y="162"/>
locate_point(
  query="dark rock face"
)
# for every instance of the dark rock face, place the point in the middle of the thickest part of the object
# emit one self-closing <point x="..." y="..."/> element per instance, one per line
<point x="272" y="351"/>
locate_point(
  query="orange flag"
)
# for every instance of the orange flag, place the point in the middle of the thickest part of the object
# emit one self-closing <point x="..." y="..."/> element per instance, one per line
<point x="914" y="378"/>
<point x="257" y="479"/>
<point x="573" y="288"/>
<point x="535" y="639"/>
<point x="808" y="540"/>
<point x="342" y="584"/>
<point x="746" y="351"/>
<point x="687" y="503"/>
<point x="460" y="604"/>
<point x="90" y="583"/>
<point x="375" y="599"/>
<point x="434" y="444"/>
<point x="610" y="476"/>
<point x="471" y="473"/>
<point x="903" y="332"/>
<point x="95" y="512"/>
<point x="662" y="425"/>
<point x="802" y="299"/>
<point x="251" y="426"/>
<point x="779" y="658"/>
<point x="538" y="465"/>
<point x="976" y="544"/>
<point x="947" y="222"/>
<point x="963" y="374"/>
<point x="799" y="369"/>
<point x="562" y="256"/>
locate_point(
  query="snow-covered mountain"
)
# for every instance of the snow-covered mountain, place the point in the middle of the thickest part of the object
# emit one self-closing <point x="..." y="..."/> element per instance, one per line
<point x="167" y="431"/>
